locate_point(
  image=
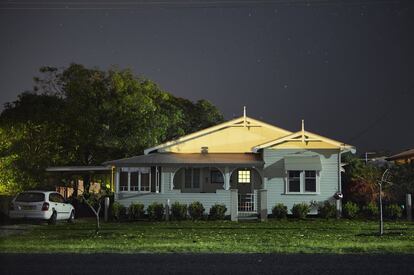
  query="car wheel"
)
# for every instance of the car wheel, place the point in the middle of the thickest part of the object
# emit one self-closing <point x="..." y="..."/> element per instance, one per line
<point x="71" y="217"/>
<point x="53" y="218"/>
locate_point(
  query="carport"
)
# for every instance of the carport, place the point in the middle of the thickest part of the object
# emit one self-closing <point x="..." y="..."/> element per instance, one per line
<point x="72" y="180"/>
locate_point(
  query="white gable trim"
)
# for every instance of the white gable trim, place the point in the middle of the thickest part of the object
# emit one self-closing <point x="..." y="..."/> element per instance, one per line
<point x="305" y="136"/>
<point x="237" y="122"/>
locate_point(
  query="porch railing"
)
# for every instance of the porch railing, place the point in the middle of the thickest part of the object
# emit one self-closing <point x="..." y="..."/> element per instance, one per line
<point x="246" y="202"/>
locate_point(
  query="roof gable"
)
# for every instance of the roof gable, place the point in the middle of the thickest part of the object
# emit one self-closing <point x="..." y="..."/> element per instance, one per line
<point x="306" y="140"/>
<point x="235" y="136"/>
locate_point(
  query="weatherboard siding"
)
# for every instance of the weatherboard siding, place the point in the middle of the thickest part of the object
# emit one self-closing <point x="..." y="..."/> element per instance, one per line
<point x="207" y="199"/>
<point x="275" y="177"/>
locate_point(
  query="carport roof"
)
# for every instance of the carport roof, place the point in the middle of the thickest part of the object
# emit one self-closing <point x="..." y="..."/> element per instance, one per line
<point x="217" y="159"/>
<point x="78" y="169"/>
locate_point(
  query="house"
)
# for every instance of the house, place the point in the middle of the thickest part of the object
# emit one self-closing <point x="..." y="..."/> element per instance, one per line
<point x="403" y="157"/>
<point x="244" y="163"/>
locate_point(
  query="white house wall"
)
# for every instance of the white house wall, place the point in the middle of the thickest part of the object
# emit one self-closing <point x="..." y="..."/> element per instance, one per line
<point x="275" y="177"/>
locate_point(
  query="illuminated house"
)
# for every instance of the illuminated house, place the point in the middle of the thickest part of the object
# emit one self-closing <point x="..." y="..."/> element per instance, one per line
<point x="246" y="164"/>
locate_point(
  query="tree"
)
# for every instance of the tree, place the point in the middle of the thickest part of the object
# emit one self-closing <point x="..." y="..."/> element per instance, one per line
<point x="360" y="182"/>
<point x="95" y="201"/>
<point x="84" y="116"/>
<point x="403" y="181"/>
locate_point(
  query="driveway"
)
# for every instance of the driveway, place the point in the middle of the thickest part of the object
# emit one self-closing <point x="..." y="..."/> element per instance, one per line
<point x="205" y="264"/>
<point x="13" y="229"/>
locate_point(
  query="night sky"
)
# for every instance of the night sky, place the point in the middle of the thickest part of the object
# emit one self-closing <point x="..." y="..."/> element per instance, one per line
<point x="347" y="69"/>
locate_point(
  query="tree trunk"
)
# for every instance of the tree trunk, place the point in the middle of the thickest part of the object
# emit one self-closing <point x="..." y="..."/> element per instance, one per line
<point x="75" y="188"/>
<point x="97" y="223"/>
<point x="86" y="183"/>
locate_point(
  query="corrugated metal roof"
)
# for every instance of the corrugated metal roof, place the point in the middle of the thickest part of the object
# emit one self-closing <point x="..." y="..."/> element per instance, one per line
<point x="402" y="155"/>
<point x="218" y="159"/>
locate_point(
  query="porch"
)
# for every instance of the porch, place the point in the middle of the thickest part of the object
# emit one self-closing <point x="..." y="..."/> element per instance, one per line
<point x="230" y="179"/>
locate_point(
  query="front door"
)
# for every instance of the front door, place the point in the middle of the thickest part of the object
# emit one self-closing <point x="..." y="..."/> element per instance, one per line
<point x="245" y="190"/>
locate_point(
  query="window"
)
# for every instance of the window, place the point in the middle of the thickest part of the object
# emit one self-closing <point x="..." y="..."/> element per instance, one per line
<point x="216" y="177"/>
<point x="30" y="197"/>
<point x="145" y="182"/>
<point x="192" y="178"/>
<point x="134" y="181"/>
<point x="244" y="176"/>
<point x="294" y="181"/>
<point x="302" y="182"/>
<point x="196" y="178"/>
<point x="54" y="197"/>
<point x="310" y="181"/>
<point x="123" y="181"/>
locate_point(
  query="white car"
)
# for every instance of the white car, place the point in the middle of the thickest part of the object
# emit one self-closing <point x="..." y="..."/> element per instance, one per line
<point x="43" y="205"/>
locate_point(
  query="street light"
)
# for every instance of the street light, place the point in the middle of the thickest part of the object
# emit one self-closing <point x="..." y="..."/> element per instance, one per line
<point x="366" y="156"/>
<point x="384" y="179"/>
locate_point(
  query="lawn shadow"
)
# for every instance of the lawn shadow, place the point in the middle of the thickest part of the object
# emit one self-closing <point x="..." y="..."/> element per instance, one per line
<point x="376" y="234"/>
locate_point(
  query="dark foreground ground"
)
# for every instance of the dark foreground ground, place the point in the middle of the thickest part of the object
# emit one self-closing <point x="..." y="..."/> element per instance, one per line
<point x="205" y="264"/>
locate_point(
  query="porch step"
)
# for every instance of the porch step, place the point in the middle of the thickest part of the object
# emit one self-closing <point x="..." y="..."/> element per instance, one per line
<point x="247" y="218"/>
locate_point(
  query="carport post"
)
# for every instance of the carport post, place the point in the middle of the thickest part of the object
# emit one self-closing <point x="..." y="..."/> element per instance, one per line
<point x="106" y="201"/>
<point x="409" y="207"/>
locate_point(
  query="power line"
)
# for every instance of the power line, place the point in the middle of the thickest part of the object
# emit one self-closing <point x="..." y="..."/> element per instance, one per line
<point x="108" y="5"/>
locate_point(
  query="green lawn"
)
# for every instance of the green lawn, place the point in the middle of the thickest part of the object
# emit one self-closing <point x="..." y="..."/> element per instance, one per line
<point x="288" y="236"/>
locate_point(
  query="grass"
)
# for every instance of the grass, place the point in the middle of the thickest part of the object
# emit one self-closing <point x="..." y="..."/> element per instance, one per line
<point x="286" y="236"/>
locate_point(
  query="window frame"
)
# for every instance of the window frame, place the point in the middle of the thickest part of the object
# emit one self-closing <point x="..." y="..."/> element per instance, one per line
<point x="216" y="174"/>
<point x="129" y="188"/>
<point x="303" y="182"/>
<point x="192" y="188"/>
<point x="248" y="174"/>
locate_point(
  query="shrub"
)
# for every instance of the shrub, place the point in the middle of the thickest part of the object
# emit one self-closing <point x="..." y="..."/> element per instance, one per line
<point x="155" y="211"/>
<point x="393" y="211"/>
<point x="178" y="211"/>
<point x="327" y="210"/>
<point x="350" y="210"/>
<point x="118" y="211"/>
<point x="300" y="210"/>
<point x="218" y="212"/>
<point x="279" y="211"/>
<point x="136" y="211"/>
<point x="371" y="210"/>
<point x="196" y="210"/>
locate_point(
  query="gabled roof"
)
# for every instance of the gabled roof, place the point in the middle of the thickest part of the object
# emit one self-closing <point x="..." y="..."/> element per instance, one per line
<point x="403" y="155"/>
<point x="242" y="121"/>
<point x="305" y="137"/>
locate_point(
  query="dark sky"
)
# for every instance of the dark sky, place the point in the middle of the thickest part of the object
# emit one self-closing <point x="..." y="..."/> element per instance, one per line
<point x="347" y="69"/>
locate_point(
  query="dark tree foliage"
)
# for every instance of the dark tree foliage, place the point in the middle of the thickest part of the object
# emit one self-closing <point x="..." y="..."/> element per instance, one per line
<point x="84" y="116"/>
<point x="403" y="182"/>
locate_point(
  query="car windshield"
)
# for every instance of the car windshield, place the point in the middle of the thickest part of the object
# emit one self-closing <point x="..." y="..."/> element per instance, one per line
<point x="30" y="197"/>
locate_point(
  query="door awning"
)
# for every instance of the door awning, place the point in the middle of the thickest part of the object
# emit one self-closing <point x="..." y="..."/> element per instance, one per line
<point x="303" y="163"/>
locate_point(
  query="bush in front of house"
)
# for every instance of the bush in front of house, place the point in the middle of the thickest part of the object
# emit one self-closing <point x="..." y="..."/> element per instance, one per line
<point x="217" y="212"/>
<point x="327" y="210"/>
<point x="196" y="210"/>
<point x="136" y="211"/>
<point x="300" y="210"/>
<point x="178" y="211"/>
<point x="118" y="211"/>
<point x="393" y="211"/>
<point x="350" y="210"/>
<point x="155" y="211"/>
<point x="370" y="210"/>
<point x="279" y="211"/>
